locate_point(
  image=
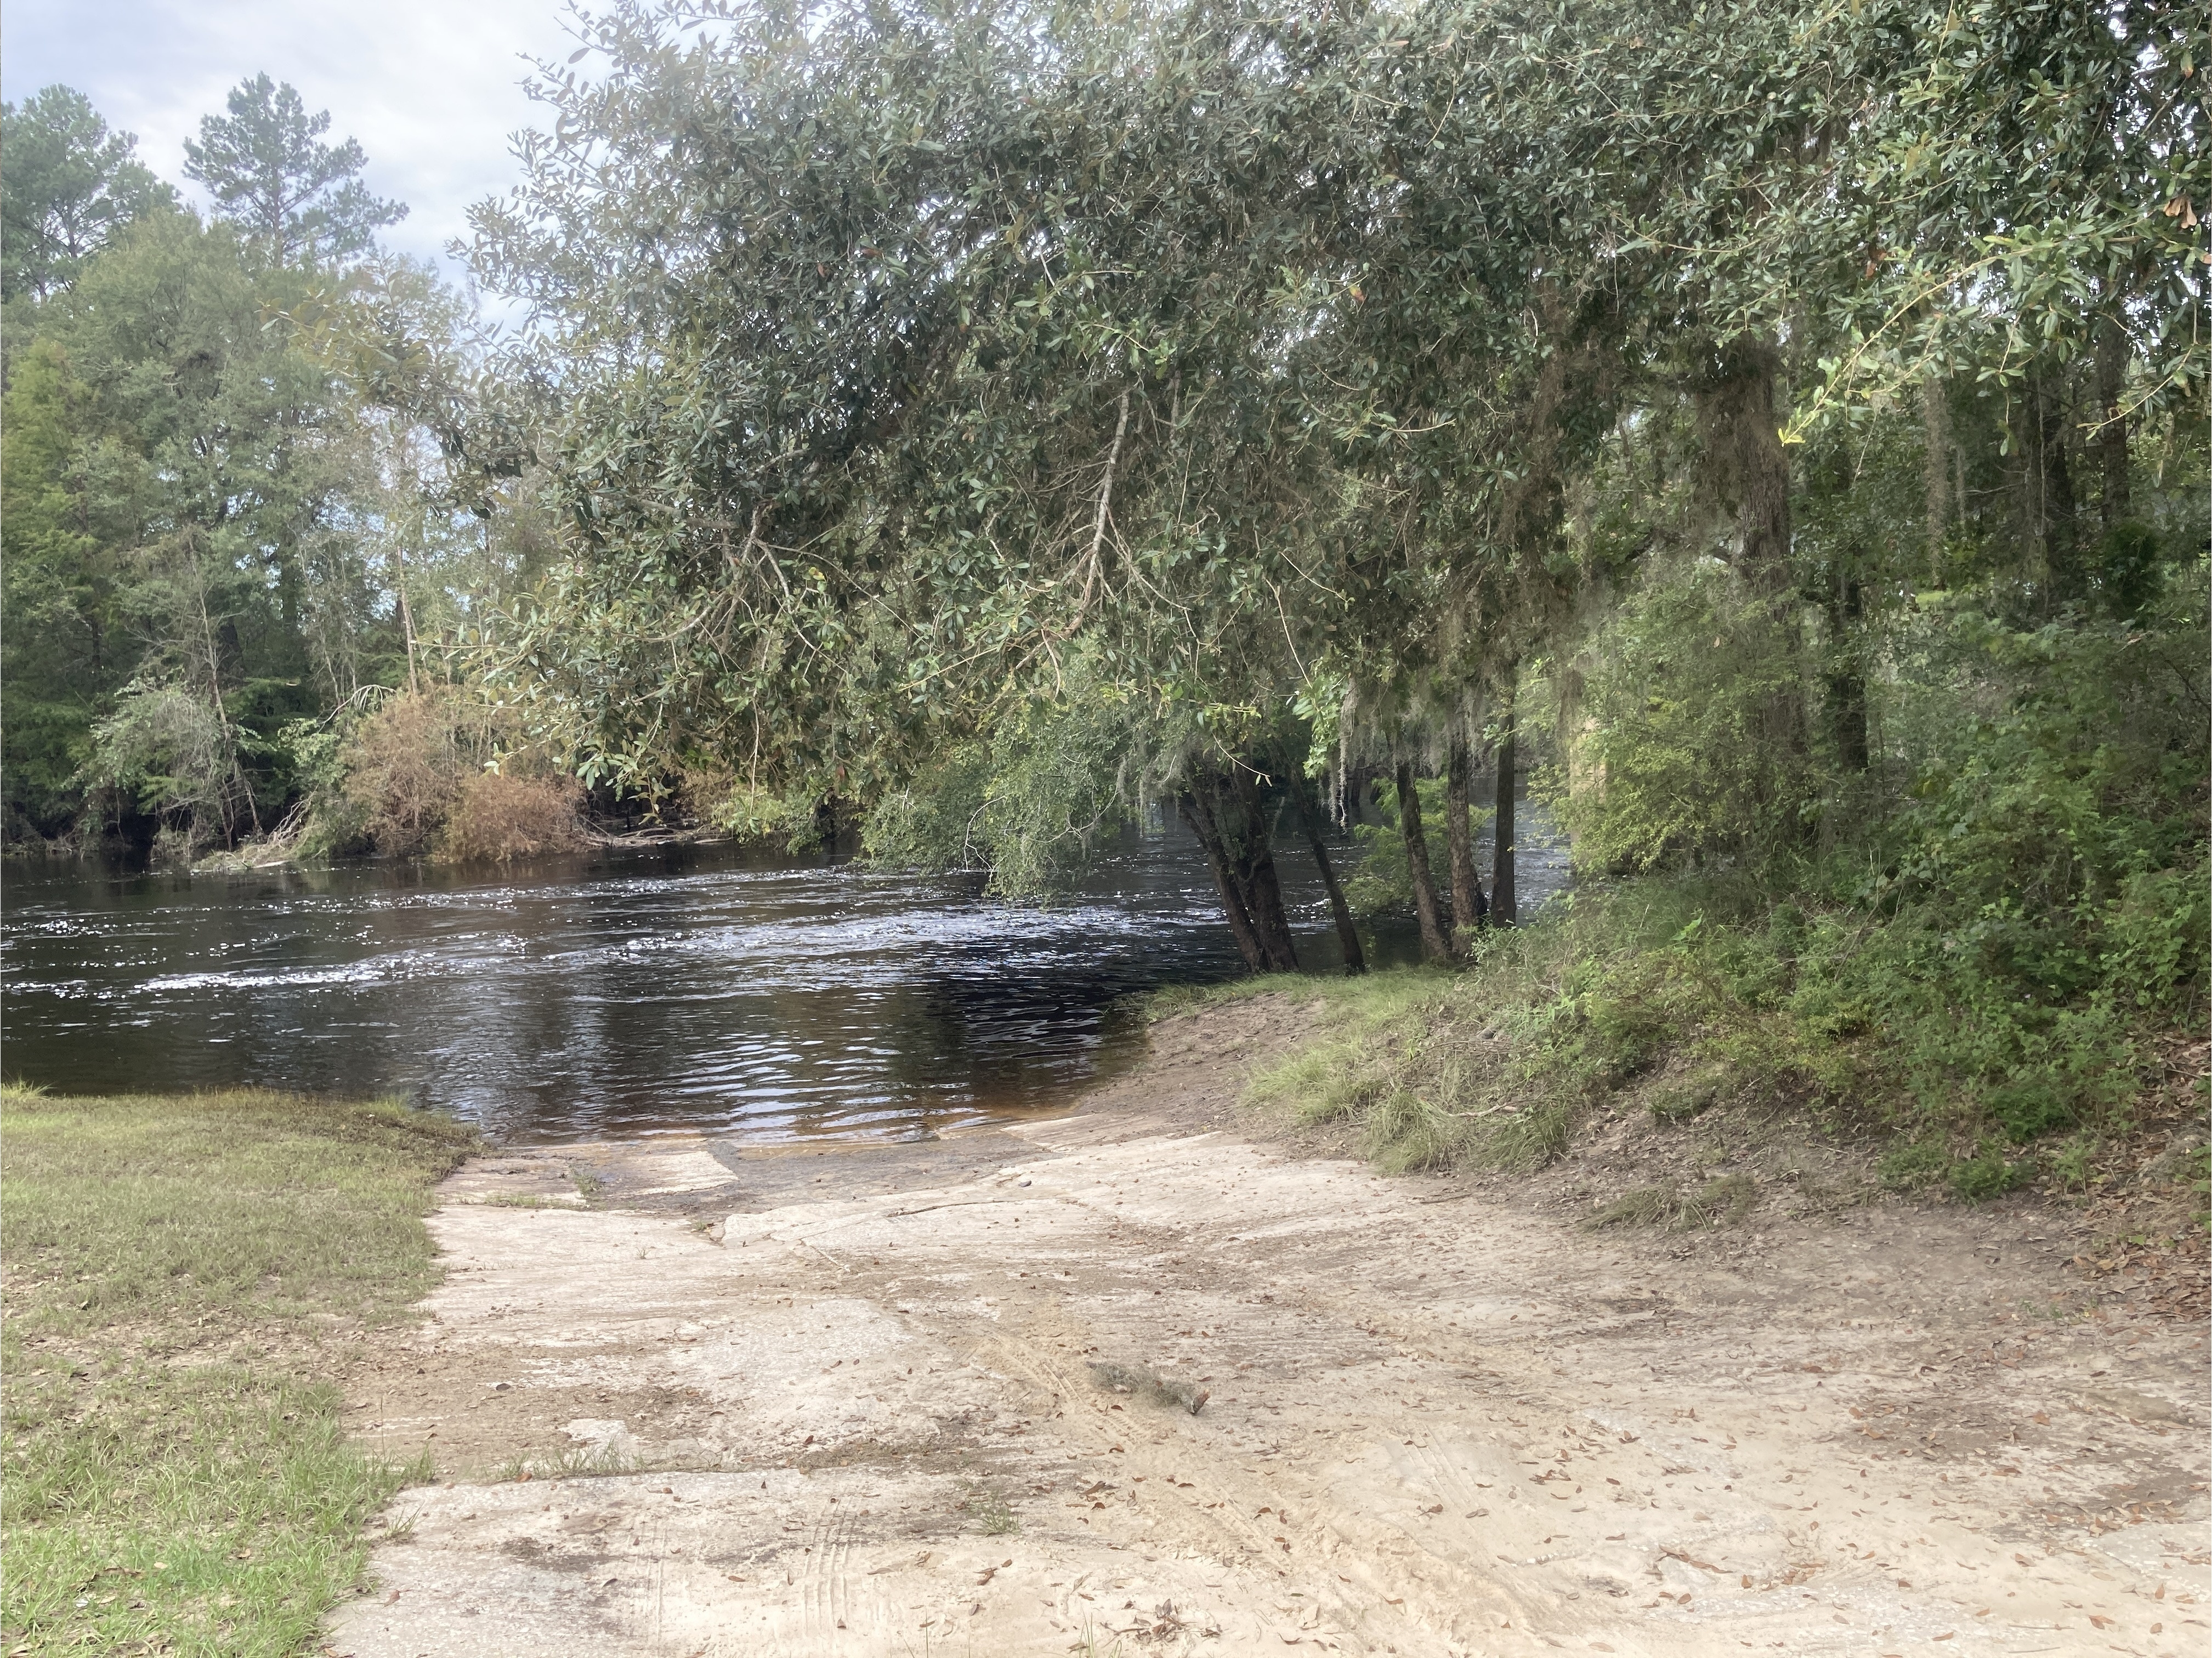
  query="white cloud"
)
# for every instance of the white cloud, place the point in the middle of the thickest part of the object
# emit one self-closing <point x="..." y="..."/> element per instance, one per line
<point x="431" y="90"/>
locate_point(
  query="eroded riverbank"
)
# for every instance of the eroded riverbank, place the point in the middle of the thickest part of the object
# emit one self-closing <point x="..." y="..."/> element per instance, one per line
<point x="857" y="1390"/>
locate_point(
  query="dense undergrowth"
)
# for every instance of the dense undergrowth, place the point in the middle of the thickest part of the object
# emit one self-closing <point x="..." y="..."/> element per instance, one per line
<point x="1977" y="978"/>
<point x="1684" y="996"/>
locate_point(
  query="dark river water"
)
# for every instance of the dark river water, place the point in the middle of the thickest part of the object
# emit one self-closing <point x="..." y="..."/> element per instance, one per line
<point x="625" y="992"/>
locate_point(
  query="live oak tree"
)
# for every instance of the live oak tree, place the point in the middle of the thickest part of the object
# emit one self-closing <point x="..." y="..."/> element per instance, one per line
<point x="920" y="364"/>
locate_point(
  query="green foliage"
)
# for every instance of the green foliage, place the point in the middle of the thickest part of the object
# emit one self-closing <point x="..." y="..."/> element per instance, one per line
<point x="936" y="822"/>
<point x="1987" y="1173"/>
<point x="1688" y="753"/>
<point x="70" y="186"/>
<point x="168" y="752"/>
<point x="1029" y="802"/>
<point x="267" y="169"/>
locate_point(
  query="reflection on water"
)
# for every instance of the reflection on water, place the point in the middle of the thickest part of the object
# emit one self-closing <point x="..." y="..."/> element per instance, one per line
<point x="700" y="988"/>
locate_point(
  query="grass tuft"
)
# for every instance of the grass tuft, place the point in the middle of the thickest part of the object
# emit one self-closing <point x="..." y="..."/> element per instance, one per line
<point x="1647" y="1205"/>
<point x="1718" y="1203"/>
<point x="1141" y="1381"/>
<point x="576" y="1463"/>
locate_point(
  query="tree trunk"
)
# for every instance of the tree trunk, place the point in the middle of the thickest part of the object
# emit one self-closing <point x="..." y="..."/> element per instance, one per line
<point x="1255" y="862"/>
<point x="406" y="614"/>
<point x="1847" y="694"/>
<point x="1347" y="935"/>
<point x="1744" y="453"/>
<point x="1744" y="450"/>
<point x="1434" y="943"/>
<point x="1934" y="470"/>
<point x="2050" y="485"/>
<point x="1503" y="910"/>
<point x="1195" y="812"/>
<point x="2112" y="435"/>
<point x="1469" y="908"/>
<point x="228" y="634"/>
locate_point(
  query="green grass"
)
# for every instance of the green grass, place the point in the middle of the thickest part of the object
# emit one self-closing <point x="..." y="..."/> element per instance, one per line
<point x="1432" y="1067"/>
<point x="184" y="1272"/>
<point x="581" y="1462"/>
<point x="1170" y="1000"/>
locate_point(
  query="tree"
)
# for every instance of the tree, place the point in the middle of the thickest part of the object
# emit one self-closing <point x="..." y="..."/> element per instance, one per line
<point x="268" y="171"/>
<point x="67" y="185"/>
<point x="228" y="502"/>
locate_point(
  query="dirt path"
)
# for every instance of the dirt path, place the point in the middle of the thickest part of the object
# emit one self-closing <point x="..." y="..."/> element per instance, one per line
<point x="858" y="1388"/>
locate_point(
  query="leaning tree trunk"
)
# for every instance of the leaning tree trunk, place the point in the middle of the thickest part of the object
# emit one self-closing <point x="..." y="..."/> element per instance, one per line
<point x="1434" y="943"/>
<point x="1355" y="958"/>
<point x="1469" y="908"/>
<point x="1254" y="863"/>
<point x="1503" y="912"/>
<point x="1195" y="811"/>
<point x="1225" y="814"/>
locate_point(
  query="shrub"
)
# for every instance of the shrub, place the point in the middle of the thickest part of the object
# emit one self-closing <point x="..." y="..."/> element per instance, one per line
<point x="167" y="751"/>
<point x="499" y="817"/>
<point x="1694" y="745"/>
<point x="415" y="777"/>
<point x="405" y="766"/>
<point x="1987" y="1174"/>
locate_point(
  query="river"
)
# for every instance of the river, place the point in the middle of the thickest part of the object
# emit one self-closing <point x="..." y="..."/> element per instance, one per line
<point x="706" y="989"/>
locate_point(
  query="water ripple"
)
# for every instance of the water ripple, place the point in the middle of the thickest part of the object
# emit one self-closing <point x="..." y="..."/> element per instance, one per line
<point x="639" y="992"/>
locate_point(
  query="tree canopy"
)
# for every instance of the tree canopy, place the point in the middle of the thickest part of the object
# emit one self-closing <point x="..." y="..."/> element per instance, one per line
<point x="266" y="167"/>
<point x="989" y="425"/>
<point x="70" y="186"/>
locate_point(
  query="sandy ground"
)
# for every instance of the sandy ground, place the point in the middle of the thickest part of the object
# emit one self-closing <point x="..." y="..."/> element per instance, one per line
<point x="851" y="1393"/>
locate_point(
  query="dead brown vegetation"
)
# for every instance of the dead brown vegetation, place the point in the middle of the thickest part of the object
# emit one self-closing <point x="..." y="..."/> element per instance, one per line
<point x="501" y="816"/>
<point x="421" y="773"/>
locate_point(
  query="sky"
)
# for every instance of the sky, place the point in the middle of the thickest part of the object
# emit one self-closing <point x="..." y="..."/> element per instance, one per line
<point x="430" y="88"/>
